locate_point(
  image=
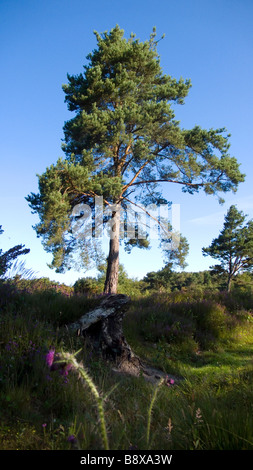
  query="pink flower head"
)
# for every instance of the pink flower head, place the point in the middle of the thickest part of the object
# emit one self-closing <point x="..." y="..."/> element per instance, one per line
<point x="65" y="370"/>
<point x="169" y="381"/>
<point x="50" y="357"/>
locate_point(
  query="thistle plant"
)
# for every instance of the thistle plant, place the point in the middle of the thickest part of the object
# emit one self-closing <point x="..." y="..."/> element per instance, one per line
<point x="71" y="362"/>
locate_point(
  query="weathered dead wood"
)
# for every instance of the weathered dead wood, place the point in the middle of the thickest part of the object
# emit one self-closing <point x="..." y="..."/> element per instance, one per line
<point x="104" y="328"/>
<point x="110" y="306"/>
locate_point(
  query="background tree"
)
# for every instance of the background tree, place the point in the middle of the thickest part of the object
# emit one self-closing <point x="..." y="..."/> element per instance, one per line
<point x="177" y="256"/>
<point x="122" y="142"/>
<point x="234" y="246"/>
<point x="8" y="257"/>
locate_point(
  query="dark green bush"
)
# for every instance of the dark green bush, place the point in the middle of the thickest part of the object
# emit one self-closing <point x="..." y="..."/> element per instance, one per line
<point x="87" y="286"/>
<point x="169" y="318"/>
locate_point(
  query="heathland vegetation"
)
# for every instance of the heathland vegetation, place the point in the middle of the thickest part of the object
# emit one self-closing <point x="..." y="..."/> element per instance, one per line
<point x="188" y="326"/>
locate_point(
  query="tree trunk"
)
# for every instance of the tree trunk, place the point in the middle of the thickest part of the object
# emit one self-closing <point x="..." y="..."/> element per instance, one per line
<point x="229" y="283"/>
<point x="112" y="273"/>
<point x="230" y="273"/>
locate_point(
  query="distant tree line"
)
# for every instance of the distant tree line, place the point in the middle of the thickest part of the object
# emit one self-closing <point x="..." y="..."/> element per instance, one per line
<point x="167" y="280"/>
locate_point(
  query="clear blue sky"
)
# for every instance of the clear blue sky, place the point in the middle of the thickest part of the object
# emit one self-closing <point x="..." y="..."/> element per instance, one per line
<point x="208" y="41"/>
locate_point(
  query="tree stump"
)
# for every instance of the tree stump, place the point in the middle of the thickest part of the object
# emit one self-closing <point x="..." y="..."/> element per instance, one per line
<point x="104" y="328"/>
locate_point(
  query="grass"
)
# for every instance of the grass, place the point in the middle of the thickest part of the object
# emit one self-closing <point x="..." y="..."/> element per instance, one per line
<point x="206" y="343"/>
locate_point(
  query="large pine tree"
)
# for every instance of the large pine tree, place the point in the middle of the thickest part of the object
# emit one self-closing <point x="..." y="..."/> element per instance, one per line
<point x="121" y="143"/>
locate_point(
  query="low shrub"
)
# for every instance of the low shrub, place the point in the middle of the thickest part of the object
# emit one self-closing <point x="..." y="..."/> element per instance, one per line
<point x="87" y="286"/>
<point x="204" y="322"/>
<point x="9" y="295"/>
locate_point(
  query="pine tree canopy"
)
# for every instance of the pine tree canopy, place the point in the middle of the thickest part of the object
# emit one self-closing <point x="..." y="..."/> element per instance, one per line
<point x="124" y="140"/>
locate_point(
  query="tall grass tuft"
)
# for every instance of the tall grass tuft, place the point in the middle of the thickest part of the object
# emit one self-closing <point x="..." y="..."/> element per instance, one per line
<point x="150" y="409"/>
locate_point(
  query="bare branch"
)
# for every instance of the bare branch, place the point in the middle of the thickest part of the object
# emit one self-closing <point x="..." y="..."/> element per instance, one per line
<point x="193" y="185"/>
<point x="134" y="178"/>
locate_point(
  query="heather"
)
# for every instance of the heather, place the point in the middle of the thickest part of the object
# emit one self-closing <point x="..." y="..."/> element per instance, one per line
<point x="56" y="393"/>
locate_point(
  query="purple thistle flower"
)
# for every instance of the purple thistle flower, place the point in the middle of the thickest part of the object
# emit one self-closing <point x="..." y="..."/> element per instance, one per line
<point x="50" y="357"/>
<point x="72" y="439"/>
<point x="169" y="382"/>
<point x="66" y="369"/>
